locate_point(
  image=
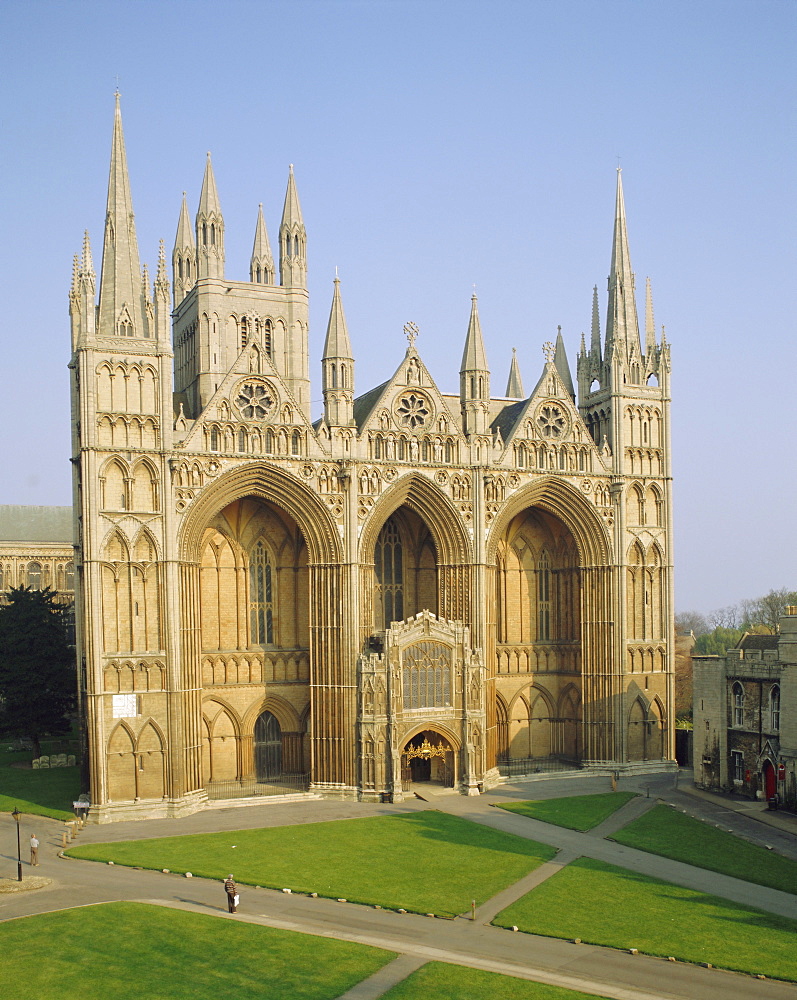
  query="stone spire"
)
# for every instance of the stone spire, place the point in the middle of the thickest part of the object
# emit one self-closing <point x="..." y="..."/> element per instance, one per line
<point x="514" y="385"/>
<point x="121" y="308"/>
<point x="622" y="324"/>
<point x="474" y="377"/>
<point x="595" y="343"/>
<point x="210" y="228"/>
<point x="337" y="366"/>
<point x="261" y="266"/>
<point x="183" y="256"/>
<point x="161" y="310"/>
<point x="293" y="239"/>
<point x="562" y="366"/>
<point x="650" y="325"/>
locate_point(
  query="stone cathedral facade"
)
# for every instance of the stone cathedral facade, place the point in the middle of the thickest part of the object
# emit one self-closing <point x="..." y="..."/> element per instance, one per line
<point x="419" y="586"/>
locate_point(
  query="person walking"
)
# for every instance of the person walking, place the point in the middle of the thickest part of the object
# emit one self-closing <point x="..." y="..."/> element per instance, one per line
<point x="232" y="894"/>
<point x="34" y="850"/>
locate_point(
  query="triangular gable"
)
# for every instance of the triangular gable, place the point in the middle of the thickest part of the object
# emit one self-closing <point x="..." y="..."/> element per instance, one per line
<point x="548" y="416"/>
<point x="407" y="404"/>
<point x="251" y="393"/>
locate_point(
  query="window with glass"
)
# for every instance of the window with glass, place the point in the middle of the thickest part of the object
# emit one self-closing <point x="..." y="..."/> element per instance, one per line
<point x="389" y="571"/>
<point x="261" y="596"/>
<point x="543" y="599"/>
<point x="774" y="707"/>
<point x="738" y="704"/>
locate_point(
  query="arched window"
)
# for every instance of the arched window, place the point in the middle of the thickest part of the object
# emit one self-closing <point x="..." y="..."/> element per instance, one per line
<point x="35" y="575"/>
<point x="543" y="599"/>
<point x="296" y="245"/>
<point x="774" y="707"/>
<point x="449" y="453"/>
<point x="738" y="704"/>
<point x="69" y="577"/>
<point x="261" y="596"/>
<point x="241" y="439"/>
<point x="268" y="747"/>
<point x="188" y="268"/>
<point x="212" y="234"/>
<point x="244" y="332"/>
<point x="204" y="234"/>
<point x="389" y="572"/>
<point x="296" y="443"/>
<point x="269" y="442"/>
<point x="267" y="331"/>
<point x="214" y="439"/>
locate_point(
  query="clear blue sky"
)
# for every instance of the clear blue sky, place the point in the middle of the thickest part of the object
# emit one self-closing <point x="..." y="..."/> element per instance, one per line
<point x="438" y="145"/>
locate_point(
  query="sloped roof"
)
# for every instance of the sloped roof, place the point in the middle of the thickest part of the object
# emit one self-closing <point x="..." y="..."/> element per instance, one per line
<point x="363" y="405"/>
<point x="20" y="523"/>
<point x="752" y="640"/>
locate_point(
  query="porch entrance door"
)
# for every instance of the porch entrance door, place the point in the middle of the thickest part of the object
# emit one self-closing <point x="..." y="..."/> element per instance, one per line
<point x="770" y="784"/>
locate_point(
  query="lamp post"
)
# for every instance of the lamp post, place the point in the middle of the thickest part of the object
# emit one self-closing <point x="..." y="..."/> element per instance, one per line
<point x="16" y="814"/>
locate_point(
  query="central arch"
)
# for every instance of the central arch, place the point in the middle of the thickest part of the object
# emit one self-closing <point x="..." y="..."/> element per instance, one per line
<point x="429" y="756"/>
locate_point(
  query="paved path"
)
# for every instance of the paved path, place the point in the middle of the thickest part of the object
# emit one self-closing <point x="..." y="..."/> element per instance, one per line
<point x="415" y="938"/>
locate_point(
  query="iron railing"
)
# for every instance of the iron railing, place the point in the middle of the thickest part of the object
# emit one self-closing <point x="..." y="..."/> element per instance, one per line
<point x="512" y="767"/>
<point x="244" y="788"/>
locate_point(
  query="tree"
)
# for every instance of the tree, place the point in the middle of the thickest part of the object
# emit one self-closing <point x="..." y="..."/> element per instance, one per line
<point x="768" y="609"/>
<point x="691" y="621"/>
<point x="37" y="667"/>
<point x="715" y="643"/>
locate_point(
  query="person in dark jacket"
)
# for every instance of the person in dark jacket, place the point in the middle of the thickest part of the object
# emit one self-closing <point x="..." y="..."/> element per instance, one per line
<point x="232" y="893"/>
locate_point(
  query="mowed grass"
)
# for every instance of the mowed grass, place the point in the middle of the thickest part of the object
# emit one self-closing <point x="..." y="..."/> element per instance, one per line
<point x="438" y="981"/>
<point x="605" y="905"/>
<point x="426" y="862"/>
<point x="672" y="834"/>
<point x="39" y="793"/>
<point x="134" y="951"/>
<point x="576" y="812"/>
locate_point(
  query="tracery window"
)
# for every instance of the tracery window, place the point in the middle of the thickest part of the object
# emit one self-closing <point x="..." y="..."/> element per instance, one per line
<point x="34" y="576"/>
<point x="389" y="571"/>
<point x="738" y="704"/>
<point x="261" y="596"/>
<point x="426" y="675"/>
<point x="774" y="707"/>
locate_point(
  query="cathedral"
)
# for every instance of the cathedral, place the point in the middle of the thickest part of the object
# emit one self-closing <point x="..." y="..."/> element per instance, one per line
<point x="416" y="587"/>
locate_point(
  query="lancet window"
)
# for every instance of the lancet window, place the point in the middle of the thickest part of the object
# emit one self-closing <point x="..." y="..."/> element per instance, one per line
<point x="426" y="670"/>
<point x="261" y="596"/>
<point x="389" y="570"/>
<point x="543" y="599"/>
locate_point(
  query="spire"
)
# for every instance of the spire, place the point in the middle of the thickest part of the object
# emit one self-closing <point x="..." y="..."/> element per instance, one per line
<point x="337" y="366"/>
<point x="595" y="343"/>
<point x="120" y="308"/>
<point x="474" y="358"/>
<point x="514" y="386"/>
<point x="474" y="377"/>
<point x="622" y="325"/>
<point x="261" y="266"/>
<point x="560" y="362"/>
<point x="650" y="326"/>
<point x="337" y="343"/>
<point x="209" y="198"/>
<point x="209" y="228"/>
<point x="183" y="256"/>
<point x="292" y="238"/>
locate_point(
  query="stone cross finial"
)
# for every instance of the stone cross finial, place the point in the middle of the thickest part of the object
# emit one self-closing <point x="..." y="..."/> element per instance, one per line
<point x="411" y="332"/>
<point x="548" y="350"/>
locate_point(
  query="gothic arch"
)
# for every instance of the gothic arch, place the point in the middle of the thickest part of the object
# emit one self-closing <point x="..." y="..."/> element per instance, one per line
<point x="567" y="504"/>
<point x="273" y="486"/>
<point x="433" y="507"/>
<point x="433" y="727"/>
<point x="282" y="710"/>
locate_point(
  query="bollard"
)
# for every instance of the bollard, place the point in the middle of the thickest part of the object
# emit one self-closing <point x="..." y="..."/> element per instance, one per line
<point x="473" y="909"/>
<point x="63" y="838"/>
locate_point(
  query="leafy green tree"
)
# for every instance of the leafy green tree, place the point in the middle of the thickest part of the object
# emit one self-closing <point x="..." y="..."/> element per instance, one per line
<point x="716" y="642"/>
<point x="37" y="666"/>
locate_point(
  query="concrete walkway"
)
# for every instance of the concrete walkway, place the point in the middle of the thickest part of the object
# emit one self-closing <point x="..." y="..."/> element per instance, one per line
<point x="417" y="939"/>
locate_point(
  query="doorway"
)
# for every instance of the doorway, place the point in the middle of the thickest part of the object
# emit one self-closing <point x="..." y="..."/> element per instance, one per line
<point x="428" y="758"/>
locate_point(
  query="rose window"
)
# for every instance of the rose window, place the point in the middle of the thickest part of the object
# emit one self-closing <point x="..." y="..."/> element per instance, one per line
<point x="413" y="410"/>
<point x="255" y="400"/>
<point x="551" y="421"/>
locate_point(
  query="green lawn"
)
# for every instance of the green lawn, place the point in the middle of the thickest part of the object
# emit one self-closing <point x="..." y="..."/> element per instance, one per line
<point x="610" y="906"/>
<point x="426" y="862"/>
<point x="438" y="981"/>
<point x="672" y="834"/>
<point x="38" y="793"/>
<point x="576" y="812"/>
<point x="133" y="951"/>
